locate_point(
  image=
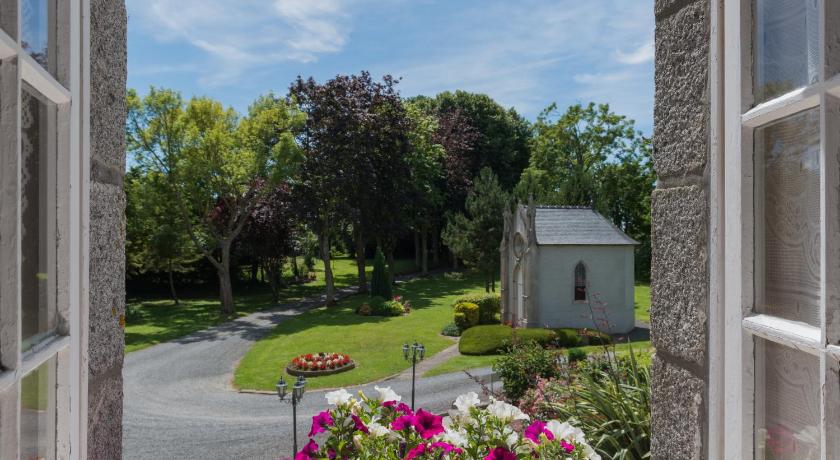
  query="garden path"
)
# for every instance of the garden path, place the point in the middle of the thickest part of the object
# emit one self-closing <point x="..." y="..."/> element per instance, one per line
<point x="179" y="403"/>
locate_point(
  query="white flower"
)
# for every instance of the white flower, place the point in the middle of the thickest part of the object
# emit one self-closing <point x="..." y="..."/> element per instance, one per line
<point x="457" y="438"/>
<point x="466" y="402"/>
<point x="338" y="397"/>
<point x="505" y="412"/>
<point x="387" y="394"/>
<point x="378" y="430"/>
<point x="566" y="431"/>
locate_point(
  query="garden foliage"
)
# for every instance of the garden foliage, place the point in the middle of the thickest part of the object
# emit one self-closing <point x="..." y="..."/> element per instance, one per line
<point x="489" y="306"/>
<point x="380" y="282"/>
<point x="466" y="315"/>
<point x="493" y="339"/>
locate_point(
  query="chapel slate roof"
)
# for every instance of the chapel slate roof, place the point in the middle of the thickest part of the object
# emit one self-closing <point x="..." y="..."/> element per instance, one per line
<point x="571" y="225"/>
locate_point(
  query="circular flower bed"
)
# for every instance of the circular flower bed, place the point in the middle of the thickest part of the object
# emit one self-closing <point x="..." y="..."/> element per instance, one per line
<point x="315" y="364"/>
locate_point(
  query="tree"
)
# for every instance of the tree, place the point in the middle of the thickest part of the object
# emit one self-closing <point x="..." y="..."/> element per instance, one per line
<point x="475" y="236"/>
<point x="215" y="165"/>
<point x="355" y="141"/>
<point x="270" y="233"/>
<point x="591" y="156"/>
<point x="155" y="241"/>
<point x="380" y="283"/>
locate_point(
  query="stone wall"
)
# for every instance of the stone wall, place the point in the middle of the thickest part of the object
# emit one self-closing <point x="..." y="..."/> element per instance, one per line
<point x="107" y="228"/>
<point x="680" y="234"/>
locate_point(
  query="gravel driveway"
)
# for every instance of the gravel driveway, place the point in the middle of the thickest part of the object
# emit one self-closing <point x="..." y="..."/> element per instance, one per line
<point x="179" y="403"/>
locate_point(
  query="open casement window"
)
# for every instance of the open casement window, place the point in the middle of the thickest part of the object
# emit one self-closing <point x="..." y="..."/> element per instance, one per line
<point x="775" y="184"/>
<point x="580" y="282"/>
<point x="43" y="183"/>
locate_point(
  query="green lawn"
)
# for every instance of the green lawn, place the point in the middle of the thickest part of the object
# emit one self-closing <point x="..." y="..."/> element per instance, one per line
<point x="641" y="300"/>
<point x="373" y="342"/>
<point x="157" y="320"/>
<point x="643" y="351"/>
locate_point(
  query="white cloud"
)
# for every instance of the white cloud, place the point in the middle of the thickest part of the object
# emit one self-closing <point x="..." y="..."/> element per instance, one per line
<point x="640" y="55"/>
<point x="236" y="36"/>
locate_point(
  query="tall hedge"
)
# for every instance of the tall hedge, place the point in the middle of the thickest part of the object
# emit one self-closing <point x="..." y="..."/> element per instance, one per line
<point x="380" y="282"/>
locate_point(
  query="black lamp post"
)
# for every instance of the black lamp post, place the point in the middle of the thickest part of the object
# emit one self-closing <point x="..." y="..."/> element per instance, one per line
<point x="414" y="353"/>
<point x="297" y="394"/>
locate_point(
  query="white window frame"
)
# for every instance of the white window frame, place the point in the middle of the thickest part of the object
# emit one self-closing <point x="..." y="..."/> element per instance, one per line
<point x="66" y="87"/>
<point x="733" y="324"/>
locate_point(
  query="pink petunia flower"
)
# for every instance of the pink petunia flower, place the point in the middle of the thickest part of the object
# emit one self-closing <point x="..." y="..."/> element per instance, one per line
<point x="569" y="448"/>
<point x="500" y="453"/>
<point x="428" y="424"/>
<point x="402" y="422"/>
<point x="537" y="428"/>
<point x="309" y="451"/>
<point x="360" y="426"/>
<point x="320" y="423"/>
<point x="398" y="407"/>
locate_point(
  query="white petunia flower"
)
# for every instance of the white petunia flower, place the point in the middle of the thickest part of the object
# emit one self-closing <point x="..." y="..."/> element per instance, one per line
<point x="467" y="401"/>
<point x="457" y="438"/>
<point x="378" y="430"/>
<point x="338" y="397"/>
<point x="566" y="431"/>
<point x="387" y="394"/>
<point x="505" y="412"/>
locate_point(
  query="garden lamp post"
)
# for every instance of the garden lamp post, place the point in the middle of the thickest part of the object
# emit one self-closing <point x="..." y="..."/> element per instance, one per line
<point x="414" y="353"/>
<point x="297" y="394"/>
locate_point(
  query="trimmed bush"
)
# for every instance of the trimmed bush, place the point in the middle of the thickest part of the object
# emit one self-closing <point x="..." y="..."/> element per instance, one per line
<point x="451" y="330"/>
<point x="380" y="281"/>
<point x="521" y="365"/>
<point x="466" y="315"/>
<point x="493" y="339"/>
<point x="568" y="338"/>
<point x="389" y="308"/>
<point x="575" y="355"/>
<point x="489" y="306"/>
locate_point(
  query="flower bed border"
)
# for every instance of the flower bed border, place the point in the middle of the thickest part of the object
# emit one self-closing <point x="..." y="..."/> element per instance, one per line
<point x="320" y="373"/>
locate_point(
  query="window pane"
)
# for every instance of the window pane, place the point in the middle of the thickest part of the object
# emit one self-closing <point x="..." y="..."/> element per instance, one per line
<point x="38" y="413"/>
<point x="787" y="54"/>
<point x="37" y="242"/>
<point x="788" y="218"/>
<point x="787" y="403"/>
<point x="36" y="29"/>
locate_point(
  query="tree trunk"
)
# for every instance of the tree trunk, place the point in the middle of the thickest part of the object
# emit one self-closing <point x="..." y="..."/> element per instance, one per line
<point x="436" y="248"/>
<point x="417" y="250"/>
<point x="273" y="280"/>
<point x="172" y="285"/>
<point x="225" y="285"/>
<point x="454" y="261"/>
<point x="360" y="260"/>
<point x="391" y="268"/>
<point x="424" y="247"/>
<point x="255" y="269"/>
<point x="324" y="243"/>
<point x="295" y="269"/>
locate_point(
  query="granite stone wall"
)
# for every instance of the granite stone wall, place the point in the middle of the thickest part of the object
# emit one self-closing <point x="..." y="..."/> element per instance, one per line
<point x="107" y="228"/>
<point x="680" y="230"/>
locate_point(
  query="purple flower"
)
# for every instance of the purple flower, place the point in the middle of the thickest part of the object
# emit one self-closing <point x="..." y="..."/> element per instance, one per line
<point x="398" y="407"/>
<point x="320" y="422"/>
<point x="445" y="447"/>
<point x="416" y="452"/>
<point x="402" y="422"/>
<point x="537" y="428"/>
<point x="309" y="451"/>
<point x="569" y="448"/>
<point x="359" y="425"/>
<point x="500" y="453"/>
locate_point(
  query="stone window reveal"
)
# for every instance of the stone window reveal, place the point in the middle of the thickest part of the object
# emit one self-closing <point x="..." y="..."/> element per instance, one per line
<point x="580" y="282"/>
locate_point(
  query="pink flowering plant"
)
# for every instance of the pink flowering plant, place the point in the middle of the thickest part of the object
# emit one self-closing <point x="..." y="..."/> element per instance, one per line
<point x="384" y="428"/>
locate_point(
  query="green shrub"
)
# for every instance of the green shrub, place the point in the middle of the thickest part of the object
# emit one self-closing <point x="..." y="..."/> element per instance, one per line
<point x="489" y="306"/>
<point x="521" y="365"/>
<point x="598" y="338"/>
<point x="380" y="280"/>
<point x="493" y="339"/>
<point x="388" y="308"/>
<point x="466" y="315"/>
<point x="575" y="355"/>
<point x="568" y="338"/>
<point x="451" y="330"/>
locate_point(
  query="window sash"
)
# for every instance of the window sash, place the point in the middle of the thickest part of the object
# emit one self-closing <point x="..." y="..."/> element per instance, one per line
<point x="733" y="412"/>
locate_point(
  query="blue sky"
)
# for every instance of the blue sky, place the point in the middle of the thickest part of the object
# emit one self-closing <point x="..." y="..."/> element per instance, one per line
<point x="524" y="54"/>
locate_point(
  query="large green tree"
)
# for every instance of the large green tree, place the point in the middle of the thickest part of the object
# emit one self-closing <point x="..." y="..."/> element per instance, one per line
<point x="475" y="235"/>
<point x="590" y="156"/>
<point x="216" y="166"/>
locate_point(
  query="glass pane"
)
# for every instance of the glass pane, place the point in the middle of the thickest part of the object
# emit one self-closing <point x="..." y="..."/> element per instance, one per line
<point x="787" y="203"/>
<point x="38" y="413"/>
<point x="35" y="29"/>
<point x="37" y="243"/>
<point x="787" y="403"/>
<point x="787" y="54"/>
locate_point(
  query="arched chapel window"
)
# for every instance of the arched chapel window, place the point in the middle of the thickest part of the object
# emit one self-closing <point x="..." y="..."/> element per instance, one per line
<point x="580" y="282"/>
